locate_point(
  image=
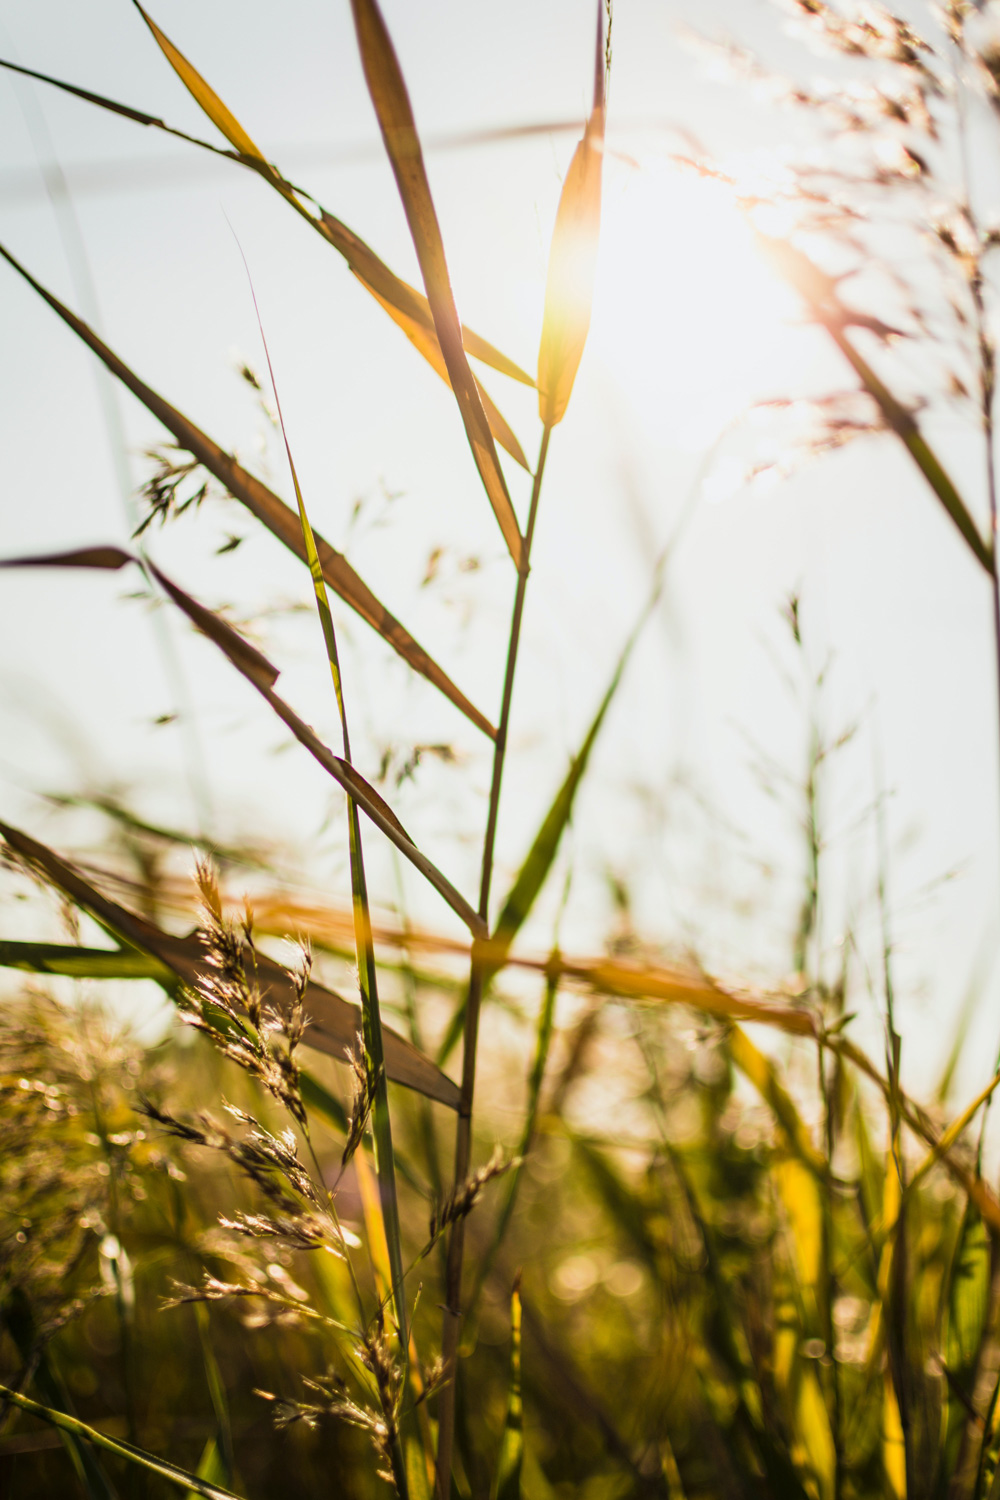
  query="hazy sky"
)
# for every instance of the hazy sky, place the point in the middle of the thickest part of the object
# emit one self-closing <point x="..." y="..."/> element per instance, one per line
<point x="689" y="328"/>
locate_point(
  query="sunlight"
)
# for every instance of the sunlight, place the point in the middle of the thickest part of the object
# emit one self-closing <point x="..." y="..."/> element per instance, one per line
<point x="678" y="255"/>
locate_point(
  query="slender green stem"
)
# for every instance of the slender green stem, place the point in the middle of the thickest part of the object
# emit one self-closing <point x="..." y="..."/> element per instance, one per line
<point x="463" y="1129"/>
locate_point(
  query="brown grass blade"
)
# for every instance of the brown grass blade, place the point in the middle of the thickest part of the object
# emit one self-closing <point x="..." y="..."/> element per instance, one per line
<point x="569" y="286"/>
<point x="395" y="117"/>
<point x="271" y="511"/>
<point x="351" y="781"/>
<point x="110" y="558"/>
<point x="818" y="291"/>
<point x="396" y="295"/>
<point x="422" y="336"/>
<point x="334" y="1021"/>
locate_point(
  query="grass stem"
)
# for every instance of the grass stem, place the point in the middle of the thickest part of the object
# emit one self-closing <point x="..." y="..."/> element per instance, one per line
<point x="463" y="1130"/>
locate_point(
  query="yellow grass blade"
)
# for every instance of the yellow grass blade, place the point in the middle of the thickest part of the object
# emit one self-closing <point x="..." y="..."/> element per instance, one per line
<point x="399" y="299"/>
<point x="395" y="117"/>
<point x="271" y="511"/>
<point x="569" y="286"/>
<point x="220" y="116"/>
<point x="763" y="1075"/>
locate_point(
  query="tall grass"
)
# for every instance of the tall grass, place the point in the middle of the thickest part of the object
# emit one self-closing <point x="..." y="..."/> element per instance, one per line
<point x="674" y="1291"/>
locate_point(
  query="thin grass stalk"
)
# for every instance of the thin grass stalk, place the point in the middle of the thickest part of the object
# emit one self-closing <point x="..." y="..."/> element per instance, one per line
<point x="370" y="1013"/>
<point x="451" y="1322"/>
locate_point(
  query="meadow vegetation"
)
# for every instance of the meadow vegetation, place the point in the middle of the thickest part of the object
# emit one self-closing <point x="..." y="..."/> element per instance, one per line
<point x="720" y="1251"/>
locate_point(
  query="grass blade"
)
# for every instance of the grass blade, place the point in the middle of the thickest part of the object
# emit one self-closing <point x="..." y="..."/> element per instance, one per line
<point x="535" y="869"/>
<point x="255" y="667"/>
<point x="279" y="519"/>
<point x="818" y="291"/>
<point x="507" y="1481"/>
<point x="395" y="117"/>
<point x="334" y="1021"/>
<point x="82" y="963"/>
<point x="966" y="1297"/>
<point x="220" y="116"/>
<point x="367" y="977"/>
<point x="357" y="788"/>
<point x="401" y="301"/>
<point x="161" y="1466"/>
<point x="569" y="286"/>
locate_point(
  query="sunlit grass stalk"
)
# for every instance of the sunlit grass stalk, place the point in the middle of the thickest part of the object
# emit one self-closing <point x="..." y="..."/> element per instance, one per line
<point x="370" y="1014"/>
<point x="451" y="1324"/>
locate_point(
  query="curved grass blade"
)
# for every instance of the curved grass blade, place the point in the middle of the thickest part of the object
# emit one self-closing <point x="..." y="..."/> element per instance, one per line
<point x="818" y="291"/>
<point x="507" y="1481"/>
<point x="395" y="118"/>
<point x="333" y="1020"/>
<point x="161" y="1466"/>
<point x="569" y="286"/>
<point x="357" y="788"/>
<point x="279" y="519"/>
<point x="396" y="295"/>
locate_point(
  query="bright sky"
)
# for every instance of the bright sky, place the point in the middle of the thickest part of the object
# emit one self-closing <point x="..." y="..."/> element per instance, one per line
<point x="689" y="328"/>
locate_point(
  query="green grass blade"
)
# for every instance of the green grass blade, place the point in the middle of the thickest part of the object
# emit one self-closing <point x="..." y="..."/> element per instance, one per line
<point x="262" y="503"/>
<point x="507" y="1480"/>
<point x="161" y="1466"/>
<point x="535" y="869"/>
<point x="367" y="977"/>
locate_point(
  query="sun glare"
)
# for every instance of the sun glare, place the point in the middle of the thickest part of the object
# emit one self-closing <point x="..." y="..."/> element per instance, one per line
<point x="689" y="321"/>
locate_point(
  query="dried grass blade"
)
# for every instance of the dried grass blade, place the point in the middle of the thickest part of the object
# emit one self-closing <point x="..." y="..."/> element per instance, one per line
<point x="395" y="117"/>
<point x="161" y="1466"/>
<point x="271" y="511"/>
<point x="396" y="295"/>
<point x="111" y="558"/>
<point x="569" y="286"/>
<point x="818" y="291"/>
<point x="972" y="1184"/>
<point x="203" y="94"/>
<point x="333" y="1020"/>
<point x="356" y="787"/>
<point x="422" y="336"/>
